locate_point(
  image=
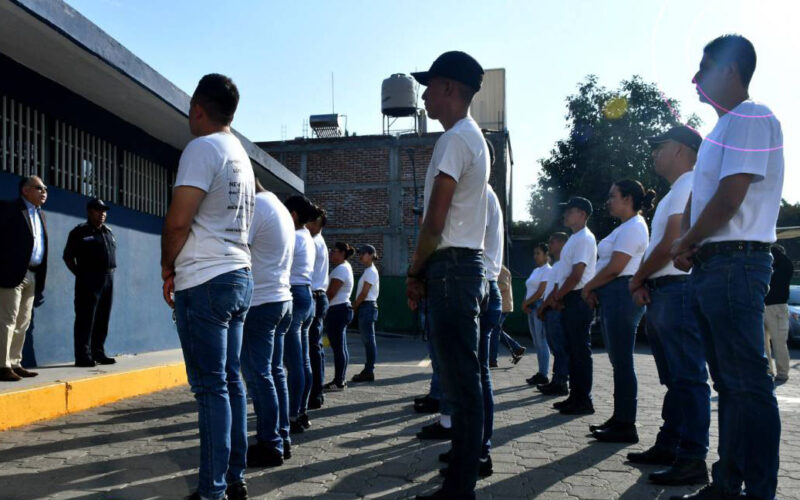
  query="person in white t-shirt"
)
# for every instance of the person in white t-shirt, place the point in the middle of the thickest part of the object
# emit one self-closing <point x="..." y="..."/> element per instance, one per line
<point x="205" y="265"/>
<point x="447" y="264"/>
<point x="550" y="315"/>
<point x="534" y="290"/>
<point x="271" y="241"/>
<point x="672" y="331"/>
<point x="618" y="258"/>
<point x="578" y="260"/>
<point x="340" y="313"/>
<point x="296" y="353"/>
<point x="319" y="285"/>
<point x="729" y="228"/>
<point x="366" y="309"/>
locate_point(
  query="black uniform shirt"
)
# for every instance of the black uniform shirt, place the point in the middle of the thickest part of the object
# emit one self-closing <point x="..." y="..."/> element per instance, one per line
<point x="782" y="270"/>
<point x="94" y="249"/>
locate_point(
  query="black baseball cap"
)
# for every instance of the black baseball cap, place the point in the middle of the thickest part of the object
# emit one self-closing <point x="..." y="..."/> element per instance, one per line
<point x="98" y="204"/>
<point x="455" y="65"/>
<point x="687" y="136"/>
<point x="579" y="203"/>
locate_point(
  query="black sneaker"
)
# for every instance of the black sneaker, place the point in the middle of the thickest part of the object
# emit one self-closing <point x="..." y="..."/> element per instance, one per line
<point x="484" y="468"/>
<point x="303" y="420"/>
<point x="554" y="389"/>
<point x="334" y="387"/>
<point x="605" y="425"/>
<point x="538" y="379"/>
<point x="295" y="427"/>
<point x="426" y="405"/>
<point x="287" y="449"/>
<point x="579" y="408"/>
<point x="237" y="491"/>
<point x="434" y="431"/>
<point x="363" y="377"/>
<point x="263" y="455"/>
<point x="652" y="456"/>
<point x="517" y="355"/>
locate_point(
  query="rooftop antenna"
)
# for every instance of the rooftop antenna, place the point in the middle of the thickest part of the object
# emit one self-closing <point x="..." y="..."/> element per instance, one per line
<point x="333" y="102"/>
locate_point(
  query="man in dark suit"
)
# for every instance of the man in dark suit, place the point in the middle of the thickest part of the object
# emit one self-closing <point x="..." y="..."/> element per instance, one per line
<point x="23" y="273"/>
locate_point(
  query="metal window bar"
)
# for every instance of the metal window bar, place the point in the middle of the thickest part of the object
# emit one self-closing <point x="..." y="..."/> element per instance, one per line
<point x="23" y="138"/>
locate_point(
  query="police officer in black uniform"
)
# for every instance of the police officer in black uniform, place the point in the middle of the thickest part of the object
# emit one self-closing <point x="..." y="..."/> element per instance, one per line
<point x="91" y="256"/>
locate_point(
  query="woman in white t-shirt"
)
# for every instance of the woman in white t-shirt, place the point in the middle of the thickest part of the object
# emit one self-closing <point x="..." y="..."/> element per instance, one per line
<point x="295" y="355"/>
<point x="340" y="312"/>
<point x="366" y="307"/>
<point x="534" y="289"/>
<point x="618" y="257"/>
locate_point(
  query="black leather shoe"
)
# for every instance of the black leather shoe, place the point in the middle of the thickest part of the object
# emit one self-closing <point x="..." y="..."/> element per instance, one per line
<point x="605" y="425"/>
<point x="8" y="375"/>
<point x="578" y="408"/>
<point x="434" y="431"/>
<point x="538" y="379"/>
<point x="104" y="360"/>
<point x="262" y="455"/>
<point x="683" y="472"/>
<point x="85" y="363"/>
<point x="445" y="457"/>
<point x="652" y="456"/>
<point x="554" y="389"/>
<point x="492" y="364"/>
<point x="562" y="404"/>
<point x="426" y="405"/>
<point x="287" y="449"/>
<point x="517" y="355"/>
<point x="363" y="377"/>
<point x="443" y="495"/>
<point x="315" y="403"/>
<point x="617" y="433"/>
<point x="709" y="492"/>
<point x="303" y="420"/>
<point x="237" y="491"/>
<point x="22" y="372"/>
<point x="484" y="468"/>
<point x="295" y="427"/>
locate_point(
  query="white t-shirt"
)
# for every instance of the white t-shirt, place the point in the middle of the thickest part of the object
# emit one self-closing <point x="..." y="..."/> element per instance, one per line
<point x="217" y="242"/>
<point x="305" y="252"/>
<point x="551" y="277"/>
<point x="272" y="249"/>
<point x="581" y="247"/>
<point x="461" y="152"/>
<point x="493" y="241"/>
<point x="674" y="203"/>
<point x="629" y="238"/>
<point x="319" y="279"/>
<point x="370" y="276"/>
<point x="747" y="140"/>
<point x="344" y="273"/>
<point x="535" y="280"/>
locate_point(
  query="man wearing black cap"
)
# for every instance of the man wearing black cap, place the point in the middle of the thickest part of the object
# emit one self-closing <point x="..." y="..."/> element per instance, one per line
<point x="578" y="262"/>
<point x="447" y="266"/>
<point x="91" y="256"/>
<point x="672" y="331"/>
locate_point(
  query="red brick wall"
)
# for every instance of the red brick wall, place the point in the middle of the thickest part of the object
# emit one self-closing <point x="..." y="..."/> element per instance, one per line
<point x="355" y="207"/>
<point x="348" y="165"/>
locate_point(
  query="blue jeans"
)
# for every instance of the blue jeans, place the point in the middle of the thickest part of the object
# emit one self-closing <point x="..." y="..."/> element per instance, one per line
<point x="499" y="334"/>
<point x="367" y="317"/>
<point x="536" y="327"/>
<point x="455" y="280"/>
<point x="210" y="318"/>
<point x="316" y="350"/>
<point x="576" y="318"/>
<point x="728" y="300"/>
<point x="677" y="347"/>
<point x="619" y="319"/>
<point x="295" y="354"/>
<point x="558" y="343"/>
<point x="490" y="319"/>
<point x="262" y="367"/>
<point x="339" y="316"/>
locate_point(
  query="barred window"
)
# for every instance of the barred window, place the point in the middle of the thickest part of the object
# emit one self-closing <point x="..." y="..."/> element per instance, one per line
<point x="144" y="185"/>
<point x="84" y="163"/>
<point x="24" y="139"/>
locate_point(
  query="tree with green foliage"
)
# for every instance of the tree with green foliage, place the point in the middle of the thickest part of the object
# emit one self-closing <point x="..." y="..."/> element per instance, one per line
<point x="606" y="142"/>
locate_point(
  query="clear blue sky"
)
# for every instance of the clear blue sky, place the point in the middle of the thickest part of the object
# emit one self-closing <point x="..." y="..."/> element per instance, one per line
<point x="281" y="55"/>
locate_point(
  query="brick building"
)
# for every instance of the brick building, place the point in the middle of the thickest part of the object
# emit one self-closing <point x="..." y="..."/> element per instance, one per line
<point x="366" y="183"/>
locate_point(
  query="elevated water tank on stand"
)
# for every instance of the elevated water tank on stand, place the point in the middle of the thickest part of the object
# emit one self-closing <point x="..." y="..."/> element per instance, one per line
<point x="398" y="100"/>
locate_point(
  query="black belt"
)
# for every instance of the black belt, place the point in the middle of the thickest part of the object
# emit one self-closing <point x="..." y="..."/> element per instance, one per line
<point x="729" y="247"/>
<point x="654" y="283"/>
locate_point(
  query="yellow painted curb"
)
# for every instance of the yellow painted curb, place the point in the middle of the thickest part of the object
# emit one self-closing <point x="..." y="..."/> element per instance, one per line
<point x="54" y="400"/>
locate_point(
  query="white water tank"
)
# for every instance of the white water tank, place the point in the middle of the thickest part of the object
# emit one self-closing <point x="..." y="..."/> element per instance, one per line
<point x="398" y="97"/>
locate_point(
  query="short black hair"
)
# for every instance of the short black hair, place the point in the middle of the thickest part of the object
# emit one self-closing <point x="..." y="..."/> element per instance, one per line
<point x="302" y="206"/>
<point x="218" y="96"/>
<point x="737" y="49"/>
<point x="465" y="91"/>
<point x="541" y="246"/>
<point x="560" y="236"/>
